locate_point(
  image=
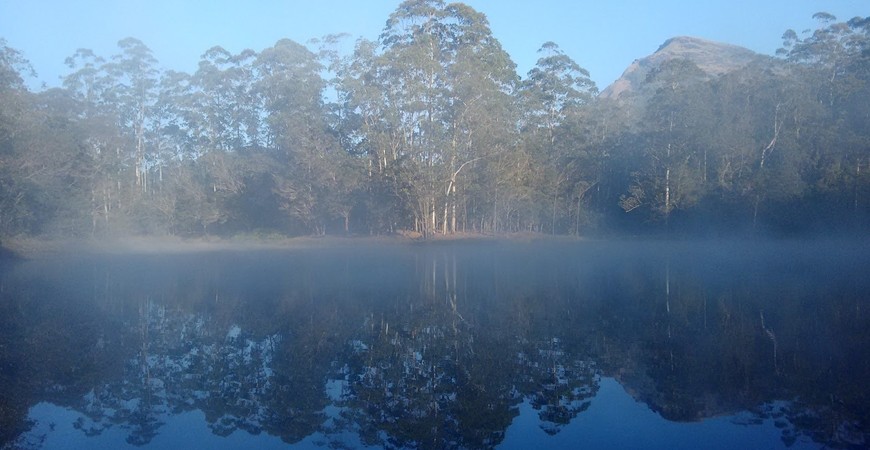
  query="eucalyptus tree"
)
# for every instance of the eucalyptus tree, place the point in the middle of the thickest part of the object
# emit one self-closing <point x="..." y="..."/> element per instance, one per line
<point x="671" y="170"/>
<point x="172" y="129"/>
<point x="174" y="150"/>
<point x="212" y="116"/>
<point x="13" y="106"/>
<point x="134" y="91"/>
<point x="414" y="52"/>
<point x="228" y="113"/>
<point x="585" y="160"/>
<point x="89" y="83"/>
<point x="365" y="115"/>
<point x="365" y="126"/>
<point x="856" y="167"/>
<point x="58" y="165"/>
<point x="426" y="105"/>
<point x="45" y="162"/>
<point x="297" y="133"/>
<point x="833" y="60"/>
<point x="766" y="118"/>
<point x="482" y="79"/>
<point x="552" y="97"/>
<point x="555" y="88"/>
<point x="291" y="87"/>
<point x="115" y="104"/>
<point x="828" y="50"/>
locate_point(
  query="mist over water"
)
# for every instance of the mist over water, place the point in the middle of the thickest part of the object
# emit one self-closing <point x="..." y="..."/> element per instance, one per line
<point x="459" y="344"/>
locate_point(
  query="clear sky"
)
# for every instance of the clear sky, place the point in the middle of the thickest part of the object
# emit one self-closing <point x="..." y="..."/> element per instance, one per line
<point x="603" y="36"/>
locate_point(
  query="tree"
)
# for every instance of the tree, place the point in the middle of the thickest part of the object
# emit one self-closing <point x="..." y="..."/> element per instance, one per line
<point x="553" y="95"/>
<point x="672" y="173"/>
<point x="366" y="124"/>
<point x="414" y="44"/>
<point x="832" y="61"/>
<point x="226" y="101"/>
<point x="432" y="102"/>
<point x="481" y="113"/>
<point x="291" y="87"/>
<point x="134" y="92"/>
<point x="13" y="105"/>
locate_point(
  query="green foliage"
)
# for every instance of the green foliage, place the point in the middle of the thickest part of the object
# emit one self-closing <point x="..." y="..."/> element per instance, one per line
<point x="430" y="129"/>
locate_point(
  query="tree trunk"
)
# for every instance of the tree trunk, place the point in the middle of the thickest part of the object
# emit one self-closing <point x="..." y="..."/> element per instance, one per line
<point x="93" y="212"/>
<point x="107" y="199"/>
<point x="432" y="222"/>
<point x="495" y="212"/>
<point x="453" y="212"/>
<point x="444" y="219"/>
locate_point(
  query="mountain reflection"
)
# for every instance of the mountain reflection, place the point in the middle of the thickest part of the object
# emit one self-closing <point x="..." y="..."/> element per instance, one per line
<point x="437" y="346"/>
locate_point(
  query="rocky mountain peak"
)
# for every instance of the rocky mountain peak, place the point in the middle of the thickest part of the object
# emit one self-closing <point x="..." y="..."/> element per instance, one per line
<point x="714" y="58"/>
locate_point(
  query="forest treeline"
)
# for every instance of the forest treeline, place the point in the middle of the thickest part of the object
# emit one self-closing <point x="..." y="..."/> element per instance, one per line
<point x="431" y="129"/>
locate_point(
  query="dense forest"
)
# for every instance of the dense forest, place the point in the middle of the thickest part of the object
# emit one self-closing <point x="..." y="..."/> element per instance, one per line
<point x="430" y="129"/>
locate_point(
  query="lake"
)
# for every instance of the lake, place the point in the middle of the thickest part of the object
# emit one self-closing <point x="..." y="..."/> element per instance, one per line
<point x="478" y="344"/>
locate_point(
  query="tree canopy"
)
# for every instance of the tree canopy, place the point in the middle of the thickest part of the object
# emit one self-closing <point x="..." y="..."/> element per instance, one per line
<point x="430" y="129"/>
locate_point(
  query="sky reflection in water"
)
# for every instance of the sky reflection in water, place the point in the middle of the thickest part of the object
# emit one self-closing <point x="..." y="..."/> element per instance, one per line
<point x="511" y="345"/>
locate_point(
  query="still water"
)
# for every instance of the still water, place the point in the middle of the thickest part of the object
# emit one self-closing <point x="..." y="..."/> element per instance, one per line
<point x="554" y="344"/>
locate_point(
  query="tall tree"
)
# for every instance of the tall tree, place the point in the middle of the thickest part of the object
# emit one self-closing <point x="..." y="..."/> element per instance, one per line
<point x="226" y="100"/>
<point x="414" y="46"/>
<point x="833" y="60"/>
<point x="291" y="86"/>
<point x="136" y="78"/>
<point x="428" y="105"/>
<point x="482" y="79"/>
<point x="553" y="94"/>
<point x="366" y="128"/>
<point x="671" y="175"/>
<point x="13" y="105"/>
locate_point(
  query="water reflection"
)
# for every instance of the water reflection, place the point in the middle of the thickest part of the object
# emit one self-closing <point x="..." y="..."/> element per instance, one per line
<point x="437" y="346"/>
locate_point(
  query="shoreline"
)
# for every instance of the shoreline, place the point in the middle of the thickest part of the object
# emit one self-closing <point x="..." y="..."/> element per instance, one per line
<point x="29" y="247"/>
<point x="38" y="247"/>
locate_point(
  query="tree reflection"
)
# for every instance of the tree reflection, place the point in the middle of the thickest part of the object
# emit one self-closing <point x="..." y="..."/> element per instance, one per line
<point x="436" y="347"/>
<point x="420" y="375"/>
<point x="557" y="386"/>
<point x="443" y="370"/>
<point x="785" y="337"/>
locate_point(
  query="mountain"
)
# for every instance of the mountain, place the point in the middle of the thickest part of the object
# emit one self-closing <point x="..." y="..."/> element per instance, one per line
<point x="714" y="58"/>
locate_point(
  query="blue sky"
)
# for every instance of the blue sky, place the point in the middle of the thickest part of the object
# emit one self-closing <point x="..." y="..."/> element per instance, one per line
<point x="603" y="36"/>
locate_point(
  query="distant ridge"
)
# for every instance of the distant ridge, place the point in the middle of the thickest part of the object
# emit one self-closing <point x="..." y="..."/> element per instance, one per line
<point x="714" y="58"/>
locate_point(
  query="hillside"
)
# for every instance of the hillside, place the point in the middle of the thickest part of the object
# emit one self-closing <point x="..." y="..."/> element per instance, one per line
<point x="714" y="58"/>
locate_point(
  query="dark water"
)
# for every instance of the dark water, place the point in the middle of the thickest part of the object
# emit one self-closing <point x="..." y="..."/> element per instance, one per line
<point x="509" y="345"/>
